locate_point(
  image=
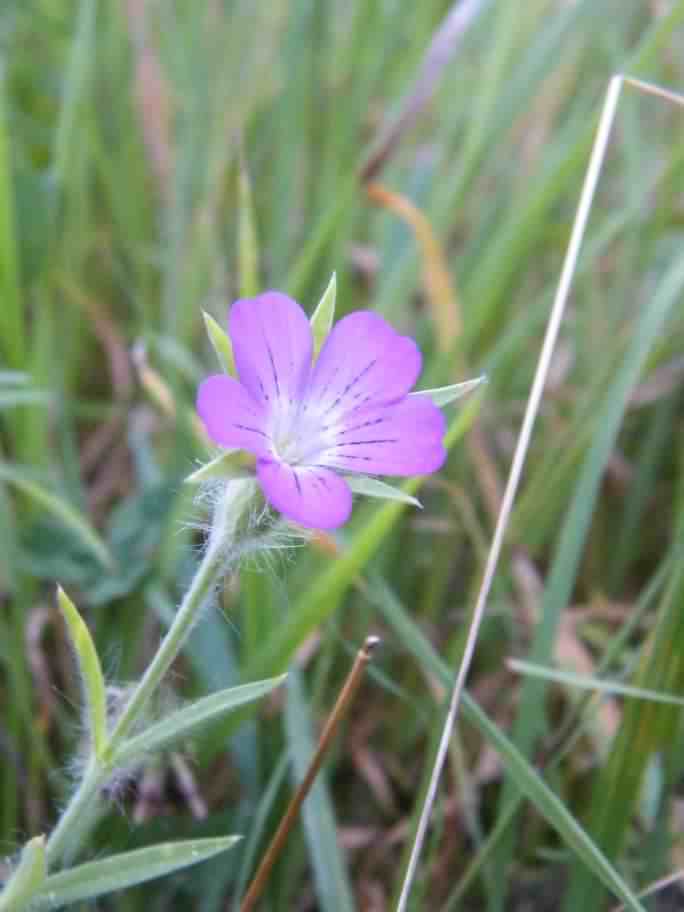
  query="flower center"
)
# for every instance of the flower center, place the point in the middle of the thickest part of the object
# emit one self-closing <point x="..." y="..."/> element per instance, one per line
<point x="297" y="436"/>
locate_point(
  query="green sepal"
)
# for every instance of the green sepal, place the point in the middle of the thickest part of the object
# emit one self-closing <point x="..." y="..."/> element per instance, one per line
<point x="443" y="395"/>
<point x="90" y="670"/>
<point x="228" y="465"/>
<point x="322" y="318"/>
<point x="221" y="343"/>
<point x="373" y="487"/>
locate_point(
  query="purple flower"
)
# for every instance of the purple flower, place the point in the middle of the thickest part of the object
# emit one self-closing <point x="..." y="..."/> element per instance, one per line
<point x="308" y="423"/>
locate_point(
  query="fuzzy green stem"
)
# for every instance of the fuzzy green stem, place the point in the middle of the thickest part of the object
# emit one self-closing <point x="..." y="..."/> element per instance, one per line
<point x="221" y="552"/>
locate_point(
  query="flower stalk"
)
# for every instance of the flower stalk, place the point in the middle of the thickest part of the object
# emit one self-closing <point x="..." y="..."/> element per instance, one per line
<point x="221" y="553"/>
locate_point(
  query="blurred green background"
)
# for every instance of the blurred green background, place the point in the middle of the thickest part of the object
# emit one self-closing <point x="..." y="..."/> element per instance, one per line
<point x="432" y="154"/>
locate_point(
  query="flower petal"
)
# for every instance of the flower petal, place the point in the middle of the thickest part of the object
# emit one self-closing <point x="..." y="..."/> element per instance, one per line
<point x="272" y="345"/>
<point x="363" y="362"/>
<point x="313" y="496"/>
<point x="231" y="416"/>
<point x="402" y="438"/>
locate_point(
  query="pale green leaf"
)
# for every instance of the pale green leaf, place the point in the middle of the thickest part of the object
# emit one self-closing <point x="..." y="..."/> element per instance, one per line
<point x="322" y="318"/>
<point x="373" y="487"/>
<point x="90" y="670"/>
<point x="28" y="876"/>
<point x="127" y="869"/>
<point x="179" y="724"/>
<point x="443" y="395"/>
<point x="228" y="465"/>
<point x="221" y="343"/>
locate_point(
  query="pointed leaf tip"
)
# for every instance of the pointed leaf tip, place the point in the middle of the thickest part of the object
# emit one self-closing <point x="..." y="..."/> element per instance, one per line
<point x="322" y="318"/>
<point x="90" y="670"/>
<point x="227" y="465"/>
<point x="373" y="487"/>
<point x="443" y="395"/>
<point x="221" y="343"/>
<point x="27" y="878"/>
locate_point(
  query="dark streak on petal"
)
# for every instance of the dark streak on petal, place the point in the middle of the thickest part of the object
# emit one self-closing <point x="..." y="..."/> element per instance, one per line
<point x="297" y="482"/>
<point x="346" y="443"/>
<point x="273" y="368"/>
<point x="245" y="427"/>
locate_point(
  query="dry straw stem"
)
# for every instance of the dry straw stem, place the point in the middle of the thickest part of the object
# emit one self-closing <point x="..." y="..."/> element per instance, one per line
<point x="555" y="319"/>
<point x="351" y="685"/>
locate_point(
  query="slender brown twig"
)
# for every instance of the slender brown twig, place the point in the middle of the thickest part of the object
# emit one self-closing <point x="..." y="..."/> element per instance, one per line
<point x="343" y="703"/>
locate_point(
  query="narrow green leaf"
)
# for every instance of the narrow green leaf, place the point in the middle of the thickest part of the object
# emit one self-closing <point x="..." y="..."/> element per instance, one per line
<point x="330" y="874"/>
<point x="248" y="244"/>
<point x="17" y="476"/>
<point x="94" y="690"/>
<point x="221" y="343"/>
<point x="322" y="318"/>
<point x="229" y="464"/>
<point x="373" y="487"/>
<point x="81" y="60"/>
<point x="649" y="324"/>
<point x="179" y="724"/>
<point x="127" y="869"/>
<point x="28" y="876"/>
<point x="588" y="682"/>
<point x="443" y="395"/>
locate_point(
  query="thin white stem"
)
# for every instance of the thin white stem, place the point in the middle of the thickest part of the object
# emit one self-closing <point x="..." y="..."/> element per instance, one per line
<point x="553" y="326"/>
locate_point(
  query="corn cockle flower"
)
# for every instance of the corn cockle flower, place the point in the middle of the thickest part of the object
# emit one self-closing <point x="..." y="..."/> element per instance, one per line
<point x="310" y="422"/>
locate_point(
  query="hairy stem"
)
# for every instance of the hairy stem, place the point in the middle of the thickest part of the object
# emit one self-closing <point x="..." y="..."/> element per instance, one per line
<point x="221" y="553"/>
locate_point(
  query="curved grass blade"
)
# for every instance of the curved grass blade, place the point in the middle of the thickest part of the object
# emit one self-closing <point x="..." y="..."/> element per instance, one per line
<point x="525" y="777"/>
<point x="588" y="682"/>
<point x="16" y="476"/>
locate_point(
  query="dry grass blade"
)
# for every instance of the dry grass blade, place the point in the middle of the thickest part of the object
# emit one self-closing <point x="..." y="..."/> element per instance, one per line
<point x="553" y="326"/>
<point x="344" y="700"/>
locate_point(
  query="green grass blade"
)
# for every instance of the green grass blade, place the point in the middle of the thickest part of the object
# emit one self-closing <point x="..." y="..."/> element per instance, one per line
<point x="18" y="478"/>
<point x="525" y="777"/>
